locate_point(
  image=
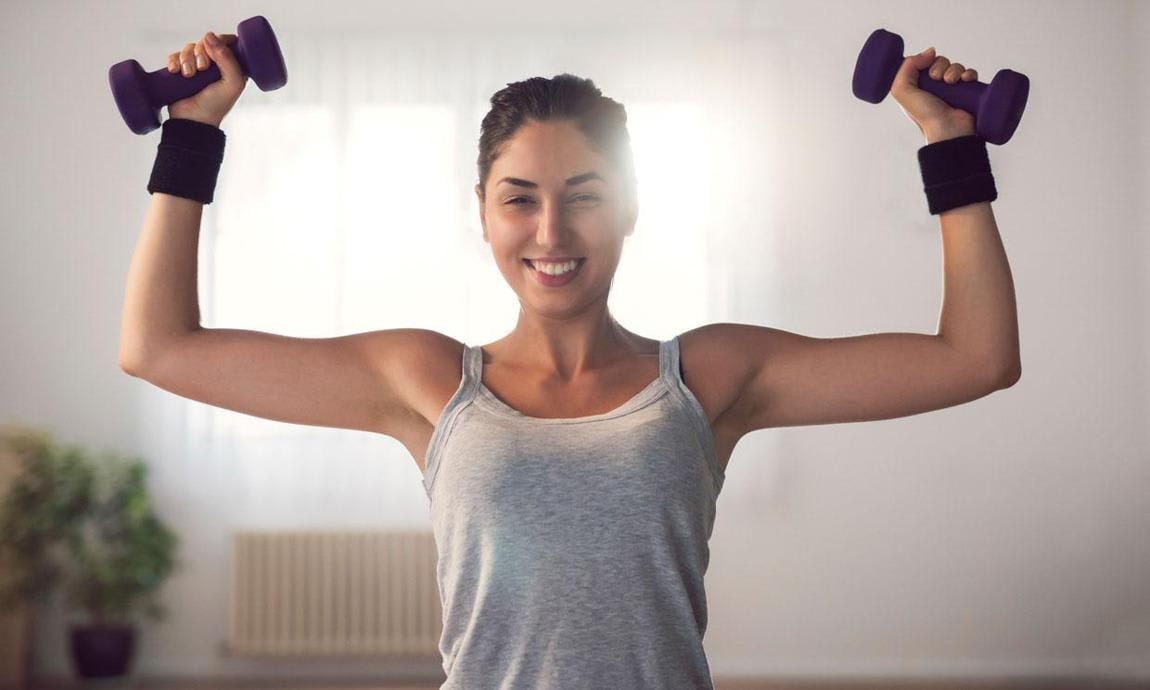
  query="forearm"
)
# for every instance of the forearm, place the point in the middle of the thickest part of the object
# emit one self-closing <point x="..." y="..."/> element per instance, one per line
<point x="161" y="301"/>
<point x="979" y="314"/>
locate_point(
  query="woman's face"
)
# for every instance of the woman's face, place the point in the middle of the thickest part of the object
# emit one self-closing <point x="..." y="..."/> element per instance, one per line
<point x="549" y="194"/>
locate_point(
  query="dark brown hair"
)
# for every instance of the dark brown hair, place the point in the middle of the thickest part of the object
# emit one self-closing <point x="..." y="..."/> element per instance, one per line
<point x="562" y="97"/>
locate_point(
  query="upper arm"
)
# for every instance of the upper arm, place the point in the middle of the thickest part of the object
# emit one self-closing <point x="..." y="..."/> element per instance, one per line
<point x="364" y="381"/>
<point x="787" y="379"/>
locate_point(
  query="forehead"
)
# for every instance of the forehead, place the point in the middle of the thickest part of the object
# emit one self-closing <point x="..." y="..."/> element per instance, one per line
<point x="546" y="148"/>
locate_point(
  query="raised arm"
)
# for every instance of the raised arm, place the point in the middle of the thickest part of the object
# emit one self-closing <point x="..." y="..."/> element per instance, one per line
<point x="367" y="381"/>
<point x="161" y="306"/>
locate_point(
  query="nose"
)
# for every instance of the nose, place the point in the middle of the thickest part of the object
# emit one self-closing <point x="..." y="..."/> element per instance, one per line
<point x="552" y="228"/>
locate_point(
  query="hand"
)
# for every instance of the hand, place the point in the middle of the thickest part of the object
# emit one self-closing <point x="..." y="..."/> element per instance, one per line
<point x="212" y="103"/>
<point x="935" y="118"/>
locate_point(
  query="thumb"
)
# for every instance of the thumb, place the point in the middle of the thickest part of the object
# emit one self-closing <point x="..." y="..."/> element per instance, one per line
<point x="907" y="75"/>
<point x="220" y="52"/>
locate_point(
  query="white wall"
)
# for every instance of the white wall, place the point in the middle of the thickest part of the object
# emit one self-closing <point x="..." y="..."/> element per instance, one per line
<point x="998" y="537"/>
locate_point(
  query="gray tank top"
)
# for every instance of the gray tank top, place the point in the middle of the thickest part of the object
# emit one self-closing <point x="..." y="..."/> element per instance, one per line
<point x="572" y="551"/>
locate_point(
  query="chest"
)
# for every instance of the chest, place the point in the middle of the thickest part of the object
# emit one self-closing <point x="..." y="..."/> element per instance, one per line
<point x="713" y="385"/>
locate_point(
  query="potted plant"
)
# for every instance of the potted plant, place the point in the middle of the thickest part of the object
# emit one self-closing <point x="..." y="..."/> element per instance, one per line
<point x="84" y="522"/>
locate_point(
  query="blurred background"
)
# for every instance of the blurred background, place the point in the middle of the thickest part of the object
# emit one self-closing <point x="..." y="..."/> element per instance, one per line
<point x="995" y="540"/>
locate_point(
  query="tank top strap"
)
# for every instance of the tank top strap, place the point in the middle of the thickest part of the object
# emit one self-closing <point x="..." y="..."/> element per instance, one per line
<point x="472" y="367"/>
<point x="669" y="361"/>
<point x="467" y="391"/>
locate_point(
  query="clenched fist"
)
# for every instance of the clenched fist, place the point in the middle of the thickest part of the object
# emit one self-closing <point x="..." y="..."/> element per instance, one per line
<point x="212" y="103"/>
<point x="935" y="118"/>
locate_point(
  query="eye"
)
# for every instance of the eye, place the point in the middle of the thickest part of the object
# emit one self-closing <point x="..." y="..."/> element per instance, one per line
<point x="582" y="197"/>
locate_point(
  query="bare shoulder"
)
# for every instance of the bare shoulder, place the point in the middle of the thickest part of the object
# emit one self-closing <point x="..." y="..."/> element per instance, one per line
<point x="418" y="367"/>
<point x="714" y="370"/>
<point x="727" y="362"/>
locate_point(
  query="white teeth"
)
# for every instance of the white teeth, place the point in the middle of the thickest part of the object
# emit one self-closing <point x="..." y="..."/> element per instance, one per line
<point x="554" y="269"/>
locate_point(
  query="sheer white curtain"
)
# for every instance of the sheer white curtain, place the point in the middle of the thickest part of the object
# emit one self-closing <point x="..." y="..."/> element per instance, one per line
<point x="346" y="204"/>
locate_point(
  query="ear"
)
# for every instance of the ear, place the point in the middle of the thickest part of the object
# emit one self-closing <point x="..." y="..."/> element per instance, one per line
<point x="482" y="222"/>
<point x="632" y="215"/>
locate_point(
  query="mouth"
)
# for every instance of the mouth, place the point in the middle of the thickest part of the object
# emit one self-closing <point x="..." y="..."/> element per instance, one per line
<point x="579" y="263"/>
<point x="555" y="280"/>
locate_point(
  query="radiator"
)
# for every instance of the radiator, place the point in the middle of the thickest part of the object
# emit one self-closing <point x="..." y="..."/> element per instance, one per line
<point x="334" y="594"/>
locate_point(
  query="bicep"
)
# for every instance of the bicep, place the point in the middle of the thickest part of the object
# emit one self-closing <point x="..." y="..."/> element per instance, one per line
<point x="797" y="380"/>
<point x="340" y="382"/>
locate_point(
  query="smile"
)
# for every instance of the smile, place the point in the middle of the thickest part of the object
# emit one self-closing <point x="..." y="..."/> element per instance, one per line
<point x="560" y="280"/>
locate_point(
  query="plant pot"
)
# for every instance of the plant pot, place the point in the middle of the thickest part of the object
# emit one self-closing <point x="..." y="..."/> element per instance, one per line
<point x="102" y="651"/>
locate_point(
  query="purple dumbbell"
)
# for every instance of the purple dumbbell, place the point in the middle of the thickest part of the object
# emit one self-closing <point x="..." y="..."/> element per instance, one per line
<point x="140" y="95"/>
<point x="996" y="107"/>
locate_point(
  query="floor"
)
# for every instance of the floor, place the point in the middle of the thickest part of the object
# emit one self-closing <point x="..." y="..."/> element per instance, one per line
<point x="720" y="684"/>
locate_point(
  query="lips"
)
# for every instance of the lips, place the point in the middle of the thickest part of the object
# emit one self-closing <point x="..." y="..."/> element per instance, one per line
<point x="555" y="281"/>
<point x="555" y="261"/>
<point x="527" y="262"/>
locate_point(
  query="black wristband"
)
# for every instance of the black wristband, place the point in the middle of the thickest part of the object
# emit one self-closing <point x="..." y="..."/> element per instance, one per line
<point x="188" y="160"/>
<point x="956" y="172"/>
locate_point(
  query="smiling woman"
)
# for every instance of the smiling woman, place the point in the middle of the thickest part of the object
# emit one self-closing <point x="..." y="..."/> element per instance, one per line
<point x="550" y="443"/>
<point x="573" y="466"/>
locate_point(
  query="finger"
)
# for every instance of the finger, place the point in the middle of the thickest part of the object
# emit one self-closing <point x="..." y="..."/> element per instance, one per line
<point x="230" y="69"/>
<point x="201" y="57"/>
<point x="187" y="60"/>
<point x="970" y="75"/>
<point x="953" y="72"/>
<point x="938" y="67"/>
<point x="908" y="74"/>
<point x="174" y="62"/>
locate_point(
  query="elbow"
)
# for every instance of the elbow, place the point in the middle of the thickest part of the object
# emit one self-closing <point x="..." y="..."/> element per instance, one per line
<point x="139" y="357"/>
<point x="131" y="363"/>
<point x="129" y="367"/>
<point x="136" y="355"/>
<point x="1009" y="375"/>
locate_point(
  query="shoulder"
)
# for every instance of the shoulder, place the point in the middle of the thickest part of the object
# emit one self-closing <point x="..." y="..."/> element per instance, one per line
<point x="421" y="349"/>
<point x="716" y="367"/>
<point x="423" y="366"/>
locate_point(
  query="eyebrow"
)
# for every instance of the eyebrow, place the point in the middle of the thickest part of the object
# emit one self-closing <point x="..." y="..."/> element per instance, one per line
<point x="571" y="181"/>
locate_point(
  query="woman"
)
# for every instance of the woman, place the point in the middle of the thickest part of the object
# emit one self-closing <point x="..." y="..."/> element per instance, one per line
<point x="572" y="466"/>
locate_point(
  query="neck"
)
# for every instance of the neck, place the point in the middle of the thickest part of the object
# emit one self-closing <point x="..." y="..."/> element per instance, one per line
<point x="567" y="348"/>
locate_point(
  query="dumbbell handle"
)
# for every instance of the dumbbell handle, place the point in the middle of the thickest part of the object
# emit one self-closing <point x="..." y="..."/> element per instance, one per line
<point x="965" y="95"/>
<point x="165" y="88"/>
